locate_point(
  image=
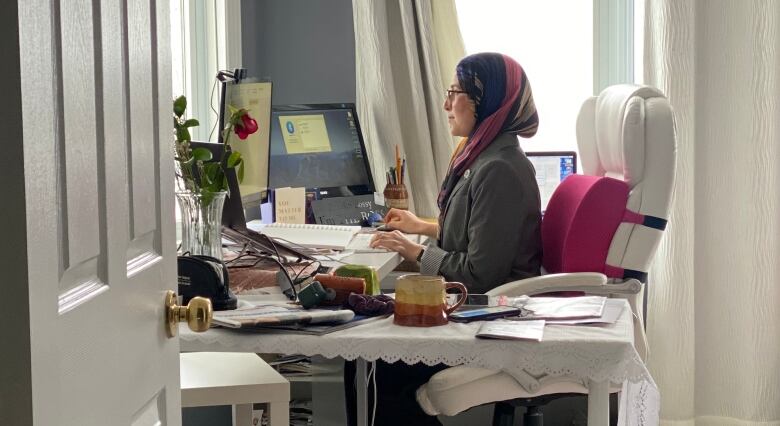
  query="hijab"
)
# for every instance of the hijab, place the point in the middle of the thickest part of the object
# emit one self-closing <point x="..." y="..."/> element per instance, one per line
<point x="503" y="103"/>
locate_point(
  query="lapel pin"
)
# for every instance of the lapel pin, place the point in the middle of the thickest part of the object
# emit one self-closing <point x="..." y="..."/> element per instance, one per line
<point x="467" y="173"/>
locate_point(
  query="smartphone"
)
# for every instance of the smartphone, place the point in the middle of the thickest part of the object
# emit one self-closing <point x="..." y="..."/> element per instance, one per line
<point x="477" y="300"/>
<point x="472" y="301"/>
<point x="487" y="313"/>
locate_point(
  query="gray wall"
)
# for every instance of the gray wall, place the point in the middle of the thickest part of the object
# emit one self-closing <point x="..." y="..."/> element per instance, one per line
<point x="306" y="47"/>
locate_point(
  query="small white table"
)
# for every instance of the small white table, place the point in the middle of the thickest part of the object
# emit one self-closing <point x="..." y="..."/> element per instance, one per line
<point x="237" y="379"/>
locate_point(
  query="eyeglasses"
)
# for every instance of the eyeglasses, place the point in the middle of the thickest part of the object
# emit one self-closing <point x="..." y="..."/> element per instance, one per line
<point x="451" y="93"/>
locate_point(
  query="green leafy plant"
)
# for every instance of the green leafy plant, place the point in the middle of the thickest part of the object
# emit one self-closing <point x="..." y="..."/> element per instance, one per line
<point x="195" y="171"/>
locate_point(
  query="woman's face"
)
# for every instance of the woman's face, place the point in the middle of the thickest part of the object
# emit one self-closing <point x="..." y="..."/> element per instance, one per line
<point x="461" y="112"/>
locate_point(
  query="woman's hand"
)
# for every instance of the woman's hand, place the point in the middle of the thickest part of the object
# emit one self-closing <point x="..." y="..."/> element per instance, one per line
<point x="396" y="241"/>
<point x="406" y="221"/>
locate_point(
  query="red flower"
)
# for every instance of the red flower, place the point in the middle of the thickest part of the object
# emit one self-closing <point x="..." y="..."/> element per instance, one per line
<point x="247" y="126"/>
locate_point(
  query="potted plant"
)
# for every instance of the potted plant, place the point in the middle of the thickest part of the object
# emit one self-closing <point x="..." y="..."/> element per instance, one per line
<point x="202" y="183"/>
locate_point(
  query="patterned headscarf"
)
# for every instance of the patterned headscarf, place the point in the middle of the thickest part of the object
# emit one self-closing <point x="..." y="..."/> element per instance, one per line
<point x="504" y="104"/>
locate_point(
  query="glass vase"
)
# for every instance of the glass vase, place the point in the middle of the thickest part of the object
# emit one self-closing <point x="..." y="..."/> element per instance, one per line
<point x="201" y="223"/>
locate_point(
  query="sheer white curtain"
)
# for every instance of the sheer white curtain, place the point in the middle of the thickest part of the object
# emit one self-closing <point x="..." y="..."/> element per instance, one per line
<point x="406" y="51"/>
<point x="714" y="310"/>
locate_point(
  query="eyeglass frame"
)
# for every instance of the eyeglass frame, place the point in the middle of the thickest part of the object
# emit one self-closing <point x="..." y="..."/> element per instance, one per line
<point x="448" y="94"/>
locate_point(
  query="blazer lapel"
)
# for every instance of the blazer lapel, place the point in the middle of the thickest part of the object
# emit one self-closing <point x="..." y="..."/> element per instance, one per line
<point x="461" y="183"/>
<point x="494" y="149"/>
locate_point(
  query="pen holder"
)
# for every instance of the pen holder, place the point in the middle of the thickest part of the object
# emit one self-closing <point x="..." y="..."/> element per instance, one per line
<point x="396" y="196"/>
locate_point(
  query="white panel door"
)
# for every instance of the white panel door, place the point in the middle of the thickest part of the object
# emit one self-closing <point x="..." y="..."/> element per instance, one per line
<point x="96" y="108"/>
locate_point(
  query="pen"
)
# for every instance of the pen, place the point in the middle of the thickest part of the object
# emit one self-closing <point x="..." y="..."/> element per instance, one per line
<point x="403" y="170"/>
<point x="397" y="164"/>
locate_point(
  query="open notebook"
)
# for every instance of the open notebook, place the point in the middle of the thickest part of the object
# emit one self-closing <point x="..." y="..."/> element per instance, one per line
<point x="336" y="237"/>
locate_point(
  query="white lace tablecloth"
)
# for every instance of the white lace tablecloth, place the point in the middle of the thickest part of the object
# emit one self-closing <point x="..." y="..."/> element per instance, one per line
<point x="587" y="353"/>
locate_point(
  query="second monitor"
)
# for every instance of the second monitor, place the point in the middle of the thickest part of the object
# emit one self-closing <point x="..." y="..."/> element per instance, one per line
<point x="552" y="167"/>
<point x="318" y="147"/>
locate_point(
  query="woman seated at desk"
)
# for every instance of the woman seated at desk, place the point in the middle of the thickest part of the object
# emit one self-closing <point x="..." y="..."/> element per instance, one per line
<point x="489" y="227"/>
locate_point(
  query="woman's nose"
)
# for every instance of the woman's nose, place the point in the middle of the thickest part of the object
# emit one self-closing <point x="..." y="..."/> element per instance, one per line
<point x="446" y="104"/>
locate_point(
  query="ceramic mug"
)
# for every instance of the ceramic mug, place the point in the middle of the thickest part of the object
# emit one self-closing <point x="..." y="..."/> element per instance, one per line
<point x="420" y="300"/>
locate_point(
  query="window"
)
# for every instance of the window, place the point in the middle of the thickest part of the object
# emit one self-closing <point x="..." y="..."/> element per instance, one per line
<point x="205" y="38"/>
<point x="554" y="42"/>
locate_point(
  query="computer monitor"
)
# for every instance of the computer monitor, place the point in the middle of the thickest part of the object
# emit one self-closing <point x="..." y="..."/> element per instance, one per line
<point x="552" y="167"/>
<point x="320" y="148"/>
<point x="255" y="97"/>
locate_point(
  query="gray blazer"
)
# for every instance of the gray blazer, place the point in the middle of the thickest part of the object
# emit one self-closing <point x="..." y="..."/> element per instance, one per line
<point x="491" y="233"/>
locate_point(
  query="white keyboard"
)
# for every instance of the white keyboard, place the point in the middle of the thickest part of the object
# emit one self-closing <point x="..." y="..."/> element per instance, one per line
<point x="360" y="244"/>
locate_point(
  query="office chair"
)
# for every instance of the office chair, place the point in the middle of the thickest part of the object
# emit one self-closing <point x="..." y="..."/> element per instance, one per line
<point x="625" y="137"/>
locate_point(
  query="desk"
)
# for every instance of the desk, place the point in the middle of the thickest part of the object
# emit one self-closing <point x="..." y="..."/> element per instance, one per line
<point x="596" y="355"/>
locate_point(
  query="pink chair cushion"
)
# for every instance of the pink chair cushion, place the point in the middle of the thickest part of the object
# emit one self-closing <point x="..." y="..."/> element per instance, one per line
<point x="580" y="221"/>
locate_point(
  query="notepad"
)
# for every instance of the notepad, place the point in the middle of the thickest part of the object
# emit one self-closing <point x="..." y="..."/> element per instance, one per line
<point x="335" y="237"/>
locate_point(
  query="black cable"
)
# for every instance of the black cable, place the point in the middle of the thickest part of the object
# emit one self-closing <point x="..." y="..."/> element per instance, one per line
<point x="274" y="256"/>
<point x="278" y="256"/>
<point x="295" y="279"/>
<point x="214" y="110"/>
<point x="222" y="76"/>
<point x="260" y="257"/>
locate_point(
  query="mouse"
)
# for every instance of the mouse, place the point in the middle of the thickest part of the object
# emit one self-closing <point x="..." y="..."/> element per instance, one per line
<point x="373" y="219"/>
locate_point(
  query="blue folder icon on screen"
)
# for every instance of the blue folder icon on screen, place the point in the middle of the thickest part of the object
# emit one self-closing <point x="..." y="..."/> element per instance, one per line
<point x="290" y="127"/>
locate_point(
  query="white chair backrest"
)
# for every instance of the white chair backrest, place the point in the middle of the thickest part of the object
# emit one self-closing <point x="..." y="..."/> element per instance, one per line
<point x="627" y="133"/>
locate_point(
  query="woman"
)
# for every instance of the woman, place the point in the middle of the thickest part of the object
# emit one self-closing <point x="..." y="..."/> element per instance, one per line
<point x="489" y="228"/>
<point x="488" y="232"/>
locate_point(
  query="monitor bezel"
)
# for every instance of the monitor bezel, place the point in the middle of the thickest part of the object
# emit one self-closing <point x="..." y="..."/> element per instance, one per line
<point x="572" y="154"/>
<point x="327" y="106"/>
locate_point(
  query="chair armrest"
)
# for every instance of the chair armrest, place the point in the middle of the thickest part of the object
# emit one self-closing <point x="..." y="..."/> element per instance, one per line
<point x="588" y="282"/>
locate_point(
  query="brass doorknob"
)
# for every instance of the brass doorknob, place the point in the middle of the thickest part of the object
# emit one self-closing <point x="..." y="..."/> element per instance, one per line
<point x="197" y="313"/>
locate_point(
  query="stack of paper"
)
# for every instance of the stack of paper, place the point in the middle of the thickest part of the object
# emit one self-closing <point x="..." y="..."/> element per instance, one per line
<point x="612" y="310"/>
<point x="279" y="315"/>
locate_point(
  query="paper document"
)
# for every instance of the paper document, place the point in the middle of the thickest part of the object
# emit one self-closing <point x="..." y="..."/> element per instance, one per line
<point x="562" y="307"/>
<point x="512" y="330"/>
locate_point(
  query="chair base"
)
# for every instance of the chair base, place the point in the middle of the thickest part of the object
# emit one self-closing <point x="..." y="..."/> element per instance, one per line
<point x="504" y="411"/>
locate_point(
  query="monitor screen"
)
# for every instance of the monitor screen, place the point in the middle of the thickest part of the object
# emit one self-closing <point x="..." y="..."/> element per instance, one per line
<point x="551" y="169"/>
<point x="255" y="97"/>
<point x="320" y="148"/>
